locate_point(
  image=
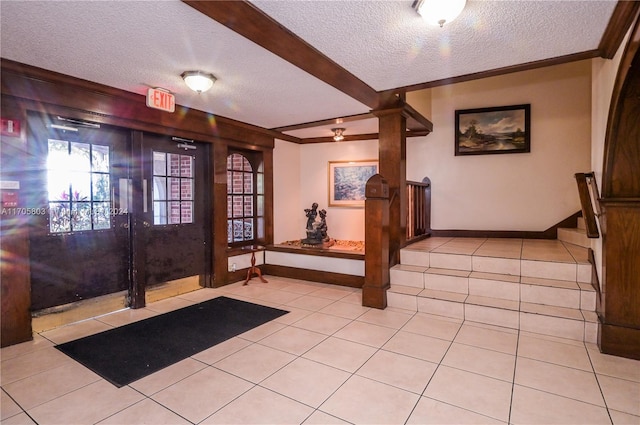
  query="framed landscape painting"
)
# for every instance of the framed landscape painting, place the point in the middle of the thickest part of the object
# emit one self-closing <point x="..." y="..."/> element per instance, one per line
<point x="502" y="129"/>
<point x="347" y="180"/>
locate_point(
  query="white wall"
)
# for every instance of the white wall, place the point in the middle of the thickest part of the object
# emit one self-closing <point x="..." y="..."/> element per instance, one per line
<point x="300" y="179"/>
<point x="286" y="192"/>
<point x="527" y="191"/>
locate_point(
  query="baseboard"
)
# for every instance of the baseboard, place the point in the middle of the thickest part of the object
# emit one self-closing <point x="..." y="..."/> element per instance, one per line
<point x="313" y="275"/>
<point x="550" y="233"/>
<point x="619" y="340"/>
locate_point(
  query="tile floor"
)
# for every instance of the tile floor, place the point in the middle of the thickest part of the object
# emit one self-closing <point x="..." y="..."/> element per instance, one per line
<point x="329" y="361"/>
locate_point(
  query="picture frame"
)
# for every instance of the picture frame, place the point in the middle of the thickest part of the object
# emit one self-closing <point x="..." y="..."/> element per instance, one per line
<point x="495" y="130"/>
<point x="347" y="181"/>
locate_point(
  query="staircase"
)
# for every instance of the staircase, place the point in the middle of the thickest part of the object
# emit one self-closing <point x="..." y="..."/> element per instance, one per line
<point x="540" y="286"/>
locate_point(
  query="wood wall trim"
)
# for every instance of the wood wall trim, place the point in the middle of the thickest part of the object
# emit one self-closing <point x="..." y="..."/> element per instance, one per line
<point x="550" y="233"/>
<point x="320" y="252"/>
<point x="620" y="22"/>
<point x="312" y="275"/>
<point x="81" y="99"/>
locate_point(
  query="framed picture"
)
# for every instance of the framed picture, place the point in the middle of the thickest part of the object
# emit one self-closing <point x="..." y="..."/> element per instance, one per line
<point x="502" y="129"/>
<point x="347" y="180"/>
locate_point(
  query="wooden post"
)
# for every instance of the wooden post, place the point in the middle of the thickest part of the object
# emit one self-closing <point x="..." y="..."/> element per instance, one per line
<point x="376" y="251"/>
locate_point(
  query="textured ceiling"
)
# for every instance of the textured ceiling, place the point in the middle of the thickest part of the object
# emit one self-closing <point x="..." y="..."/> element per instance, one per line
<point x="132" y="45"/>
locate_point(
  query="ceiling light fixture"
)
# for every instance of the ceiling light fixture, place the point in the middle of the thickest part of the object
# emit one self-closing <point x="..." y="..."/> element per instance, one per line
<point x="198" y="81"/>
<point x="337" y="134"/>
<point x="439" y="12"/>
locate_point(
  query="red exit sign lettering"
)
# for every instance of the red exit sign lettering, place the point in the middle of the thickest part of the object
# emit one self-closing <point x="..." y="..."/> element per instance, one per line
<point x="161" y="99"/>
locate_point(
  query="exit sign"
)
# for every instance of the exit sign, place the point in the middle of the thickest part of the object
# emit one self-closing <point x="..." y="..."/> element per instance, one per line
<point x="161" y="99"/>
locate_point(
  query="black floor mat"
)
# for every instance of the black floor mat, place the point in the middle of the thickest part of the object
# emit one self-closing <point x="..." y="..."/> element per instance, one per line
<point x="128" y="353"/>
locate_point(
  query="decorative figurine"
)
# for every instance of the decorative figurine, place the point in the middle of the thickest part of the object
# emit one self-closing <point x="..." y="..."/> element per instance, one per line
<point x="317" y="236"/>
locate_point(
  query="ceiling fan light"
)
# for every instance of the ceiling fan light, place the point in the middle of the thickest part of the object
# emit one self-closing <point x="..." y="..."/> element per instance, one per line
<point x="439" y="12"/>
<point x="198" y="81"/>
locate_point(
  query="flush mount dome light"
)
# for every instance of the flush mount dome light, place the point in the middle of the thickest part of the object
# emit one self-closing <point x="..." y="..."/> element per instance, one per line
<point x="198" y="81"/>
<point x="439" y="12"/>
<point x="338" y="136"/>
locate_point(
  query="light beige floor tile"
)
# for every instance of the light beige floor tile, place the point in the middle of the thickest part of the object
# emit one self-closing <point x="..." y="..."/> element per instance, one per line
<point x="103" y="398"/>
<point x="309" y="302"/>
<point x="255" y="362"/>
<point x="147" y="411"/>
<point x="222" y="350"/>
<point x="48" y="385"/>
<point x="293" y="315"/>
<point x="8" y="407"/>
<point x="19" y="419"/>
<point x="434" y="412"/>
<point x="531" y="406"/>
<point x="260" y="406"/>
<point x="340" y="353"/>
<point x="169" y="304"/>
<point x="353" y="298"/>
<point x="332" y="293"/>
<point x="306" y="381"/>
<point x="550" y="351"/>
<point x="388" y="318"/>
<point x="506" y="248"/>
<point x="437" y="327"/>
<point x="386" y="404"/>
<point x="491" y="337"/>
<point x="37" y="343"/>
<point x="263" y="331"/>
<point x="326" y="324"/>
<point x="559" y="380"/>
<point x="483" y="362"/>
<point x="366" y="333"/>
<point x="477" y="393"/>
<point x="299" y="287"/>
<point x="124" y="317"/>
<point x="620" y="394"/>
<point x="201" y="394"/>
<point x="278" y="297"/>
<point x="75" y="331"/>
<point x="460" y="246"/>
<point x="321" y="418"/>
<point x="617" y="367"/>
<point x="31" y="364"/>
<point x="345" y="309"/>
<point x="407" y="373"/>
<point x="545" y="250"/>
<point x="293" y="340"/>
<point x="621" y="418"/>
<point x="419" y="346"/>
<point x="457" y="259"/>
<point x="168" y="376"/>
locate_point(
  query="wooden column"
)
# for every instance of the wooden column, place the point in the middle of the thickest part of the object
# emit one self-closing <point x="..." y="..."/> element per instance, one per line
<point x="376" y="251"/>
<point x="619" y="327"/>
<point x="393" y="166"/>
<point x="219" y="215"/>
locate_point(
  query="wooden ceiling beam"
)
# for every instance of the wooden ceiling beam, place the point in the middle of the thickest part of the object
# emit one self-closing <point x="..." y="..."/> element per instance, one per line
<point x="250" y="22"/>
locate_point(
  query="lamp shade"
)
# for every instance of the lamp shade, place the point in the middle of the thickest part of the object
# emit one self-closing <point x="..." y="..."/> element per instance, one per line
<point x="198" y="81"/>
<point x="439" y="12"/>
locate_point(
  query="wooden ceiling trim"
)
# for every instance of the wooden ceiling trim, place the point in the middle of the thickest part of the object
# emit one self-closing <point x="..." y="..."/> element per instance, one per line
<point x="496" y="72"/>
<point x="330" y="121"/>
<point x="250" y="22"/>
<point x="621" y="20"/>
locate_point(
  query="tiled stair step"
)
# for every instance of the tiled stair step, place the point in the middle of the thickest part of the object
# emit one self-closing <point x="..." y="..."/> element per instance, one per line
<point x="574" y="236"/>
<point x="572" y="323"/>
<point x="421" y="261"/>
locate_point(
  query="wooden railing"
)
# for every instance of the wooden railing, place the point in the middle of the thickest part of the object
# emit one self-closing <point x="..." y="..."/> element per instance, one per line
<point x="418" y="209"/>
<point x="589" y="198"/>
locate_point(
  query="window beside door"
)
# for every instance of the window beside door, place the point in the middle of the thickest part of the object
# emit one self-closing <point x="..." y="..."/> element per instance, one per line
<point x="245" y="198"/>
<point x="173" y="188"/>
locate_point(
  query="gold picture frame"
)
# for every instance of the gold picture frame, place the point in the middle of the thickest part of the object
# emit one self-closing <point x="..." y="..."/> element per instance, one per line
<point x="347" y="181"/>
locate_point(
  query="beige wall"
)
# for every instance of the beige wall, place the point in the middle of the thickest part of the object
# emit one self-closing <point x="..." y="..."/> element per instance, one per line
<point x="604" y="76"/>
<point x="527" y="191"/>
<point x="488" y="192"/>
<point x="306" y="182"/>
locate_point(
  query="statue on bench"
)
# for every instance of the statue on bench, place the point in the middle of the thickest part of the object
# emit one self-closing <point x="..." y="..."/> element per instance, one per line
<point x="317" y="236"/>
